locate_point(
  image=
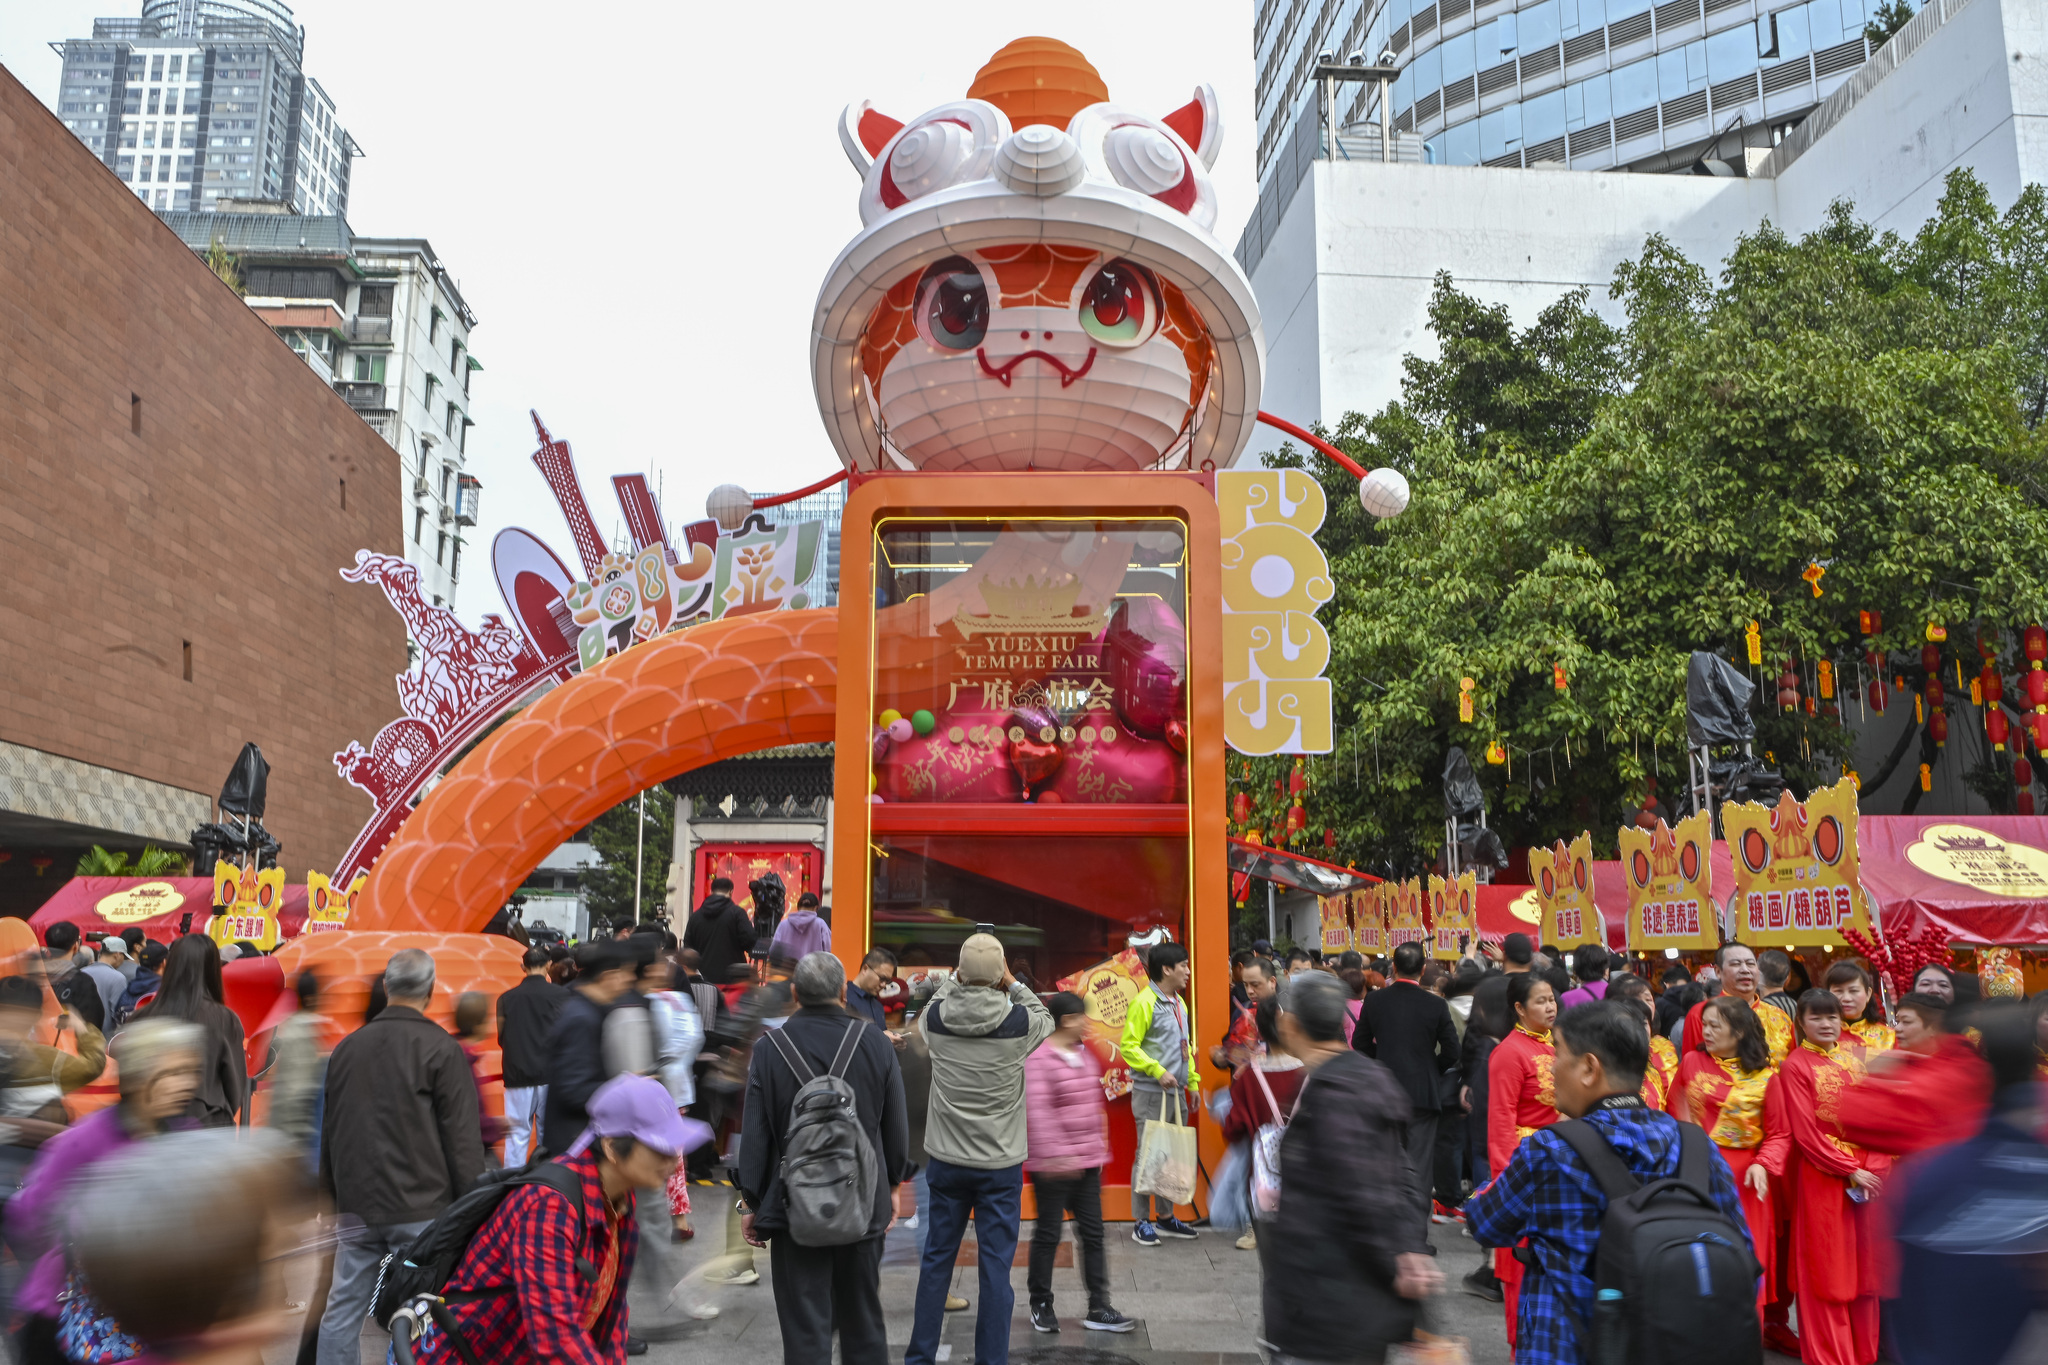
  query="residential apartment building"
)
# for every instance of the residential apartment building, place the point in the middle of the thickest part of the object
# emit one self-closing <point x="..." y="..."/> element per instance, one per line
<point x="381" y="321"/>
<point x="202" y="103"/>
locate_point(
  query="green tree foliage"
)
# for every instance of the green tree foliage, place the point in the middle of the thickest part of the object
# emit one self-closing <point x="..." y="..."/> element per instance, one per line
<point x="1892" y="15"/>
<point x="1610" y="499"/>
<point x="151" y="862"/>
<point x="608" y="886"/>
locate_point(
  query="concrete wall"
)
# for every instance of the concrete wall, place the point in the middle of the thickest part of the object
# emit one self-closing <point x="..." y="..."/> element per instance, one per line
<point x="1970" y="95"/>
<point x="221" y="524"/>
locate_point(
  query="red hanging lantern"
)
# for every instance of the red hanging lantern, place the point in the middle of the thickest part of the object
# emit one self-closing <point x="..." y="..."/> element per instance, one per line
<point x="1329" y="838"/>
<point x="2022" y="773"/>
<point x="1788" y="688"/>
<point x="1241" y="808"/>
<point x="1297" y="781"/>
<point x="1296" y="818"/>
<point x="1937" y="726"/>
<point x="2035" y="644"/>
<point x="1880" y="696"/>
<point x="2037" y="729"/>
<point x="2037" y="689"/>
<point x="1930" y="657"/>
<point x="2024" y="802"/>
<point x="1936" y="693"/>
<point x="1993" y="685"/>
<point x="1996" y="727"/>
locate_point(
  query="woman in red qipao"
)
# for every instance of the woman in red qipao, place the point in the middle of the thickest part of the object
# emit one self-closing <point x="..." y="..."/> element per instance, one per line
<point x="1722" y="1090"/>
<point x="1850" y="985"/>
<point x="1520" y="1098"/>
<point x="1834" y="1257"/>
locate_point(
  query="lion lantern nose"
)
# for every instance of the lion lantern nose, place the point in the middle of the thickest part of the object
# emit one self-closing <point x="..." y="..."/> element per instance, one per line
<point x="1039" y="160"/>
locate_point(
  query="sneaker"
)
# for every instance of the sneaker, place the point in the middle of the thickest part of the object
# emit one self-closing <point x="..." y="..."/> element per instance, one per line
<point x="1043" y="1319"/>
<point x="1440" y="1212"/>
<point x="635" y="1346"/>
<point x="955" y="1304"/>
<point x="911" y="1222"/>
<point x="1170" y="1226"/>
<point x="1145" y="1235"/>
<point x="1248" y="1242"/>
<point x="744" y="1275"/>
<point x="1108" y="1320"/>
<point x="1483" y="1284"/>
<point x="704" y="1312"/>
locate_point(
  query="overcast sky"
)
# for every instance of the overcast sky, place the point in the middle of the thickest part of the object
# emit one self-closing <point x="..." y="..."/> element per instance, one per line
<point x="639" y="200"/>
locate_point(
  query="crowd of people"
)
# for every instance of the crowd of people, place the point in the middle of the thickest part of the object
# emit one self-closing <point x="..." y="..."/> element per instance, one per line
<point x="1835" y="1135"/>
<point x="1848" y="1173"/>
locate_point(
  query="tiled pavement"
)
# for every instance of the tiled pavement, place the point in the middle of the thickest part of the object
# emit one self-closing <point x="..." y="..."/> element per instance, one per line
<point x="1196" y="1303"/>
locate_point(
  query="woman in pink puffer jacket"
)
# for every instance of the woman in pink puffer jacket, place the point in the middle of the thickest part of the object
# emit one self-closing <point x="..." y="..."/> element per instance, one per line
<point x="1067" y="1137"/>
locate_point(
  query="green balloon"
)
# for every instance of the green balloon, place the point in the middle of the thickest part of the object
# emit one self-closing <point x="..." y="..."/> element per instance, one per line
<point x="924" y="722"/>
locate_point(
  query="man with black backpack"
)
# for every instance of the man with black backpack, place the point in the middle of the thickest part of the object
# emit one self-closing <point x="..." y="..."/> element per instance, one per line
<point x="825" y="1140"/>
<point x="1638" y="1251"/>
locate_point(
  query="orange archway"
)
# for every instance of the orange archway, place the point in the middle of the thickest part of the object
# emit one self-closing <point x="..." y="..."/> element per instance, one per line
<point x="675" y="703"/>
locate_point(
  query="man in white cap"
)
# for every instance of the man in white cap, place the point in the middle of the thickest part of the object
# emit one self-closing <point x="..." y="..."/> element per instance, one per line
<point x="979" y="1027"/>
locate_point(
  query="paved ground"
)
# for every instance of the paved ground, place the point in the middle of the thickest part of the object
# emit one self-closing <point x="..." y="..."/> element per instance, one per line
<point x="1196" y="1302"/>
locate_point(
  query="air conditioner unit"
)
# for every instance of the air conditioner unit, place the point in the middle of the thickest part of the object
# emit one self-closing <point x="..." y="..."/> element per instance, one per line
<point x="420" y="488"/>
<point x="447" y="514"/>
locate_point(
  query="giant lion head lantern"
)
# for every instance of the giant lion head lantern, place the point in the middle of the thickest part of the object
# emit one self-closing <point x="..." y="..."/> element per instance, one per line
<point x="1035" y="285"/>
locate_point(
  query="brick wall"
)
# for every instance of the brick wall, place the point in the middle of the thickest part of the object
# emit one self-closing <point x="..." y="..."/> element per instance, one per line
<point x="222" y="524"/>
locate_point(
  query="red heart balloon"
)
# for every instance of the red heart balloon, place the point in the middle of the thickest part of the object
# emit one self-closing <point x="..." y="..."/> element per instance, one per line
<point x="1035" y="760"/>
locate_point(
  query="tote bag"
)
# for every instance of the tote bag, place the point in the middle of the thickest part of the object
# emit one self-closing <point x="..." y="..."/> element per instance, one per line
<point x="1266" y="1151"/>
<point x="1165" y="1165"/>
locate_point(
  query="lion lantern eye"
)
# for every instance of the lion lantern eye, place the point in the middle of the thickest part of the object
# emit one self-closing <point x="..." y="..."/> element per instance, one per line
<point x="1119" y="307"/>
<point x="952" y="305"/>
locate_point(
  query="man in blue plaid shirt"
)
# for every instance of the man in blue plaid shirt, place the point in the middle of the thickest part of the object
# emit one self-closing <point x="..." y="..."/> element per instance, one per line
<point x="1548" y="1196"/>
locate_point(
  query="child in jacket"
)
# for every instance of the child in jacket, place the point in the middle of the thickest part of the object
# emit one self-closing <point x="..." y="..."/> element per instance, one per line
<point x="1067" y="1138"/>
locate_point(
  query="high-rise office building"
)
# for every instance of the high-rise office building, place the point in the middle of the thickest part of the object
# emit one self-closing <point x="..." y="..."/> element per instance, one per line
<point x="200" y="103"/>
<point x="828" y="507"/>
<point x="1588" y="84"/>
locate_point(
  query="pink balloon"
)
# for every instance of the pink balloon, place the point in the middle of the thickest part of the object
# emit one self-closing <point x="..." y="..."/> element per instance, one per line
<point x="1130" y="769"/>
<point x="901" y="731"/>
<point x="936" y="767"/>
<point x="1148" y="665"/>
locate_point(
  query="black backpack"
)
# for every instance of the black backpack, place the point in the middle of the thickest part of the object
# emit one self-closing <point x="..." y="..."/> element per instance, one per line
<point x="1674" y="1280"/>
<point x="424" y="1265"/>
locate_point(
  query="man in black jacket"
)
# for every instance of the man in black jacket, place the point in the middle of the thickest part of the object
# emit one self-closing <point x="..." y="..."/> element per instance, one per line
<point x="720" y="932"/>
<point x="1409" y="1029"/>
<point x="819" y="1290"/>
<point x="399" y="1140"/>
<point x="1348" y="1252"/>
<point x="605" y="971"/>
<point x="526" y="1016"/>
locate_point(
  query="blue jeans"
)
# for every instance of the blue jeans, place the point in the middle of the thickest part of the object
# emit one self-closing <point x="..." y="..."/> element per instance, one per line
<point x="995" y="1198"/>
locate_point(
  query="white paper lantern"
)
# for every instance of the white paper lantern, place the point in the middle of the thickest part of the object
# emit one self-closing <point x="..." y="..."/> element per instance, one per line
<point x="729" y="504"/>
<point x="1384" y="493"/>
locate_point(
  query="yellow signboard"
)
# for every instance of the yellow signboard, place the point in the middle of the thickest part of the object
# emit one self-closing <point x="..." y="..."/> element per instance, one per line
<point x="1564" y="888"/>
<point x="245" y="905"/>
<point x="1453" y="915"/>
<point x="1796" y="869"/>
<point x="1404" y="913"/>
<point x="1980" y="860"/>
<point x="1336" y="923"/>
<point x="138" y="903"/>
<point x="1275" y="697"/>
<point x="1670" y="899"/>
<point x="327" y="905"/>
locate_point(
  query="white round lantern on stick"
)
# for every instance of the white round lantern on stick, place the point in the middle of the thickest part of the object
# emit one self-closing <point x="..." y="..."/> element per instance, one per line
<point x="729" y="504"/>
<point x="1384" y="493"/>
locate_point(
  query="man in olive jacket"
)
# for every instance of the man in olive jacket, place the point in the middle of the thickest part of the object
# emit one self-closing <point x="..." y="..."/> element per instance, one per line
<point x="399" y="1140"/>
<point x="980" y="1027"/>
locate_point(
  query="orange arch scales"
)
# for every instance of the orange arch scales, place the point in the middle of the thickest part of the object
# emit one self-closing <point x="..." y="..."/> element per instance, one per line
<point x="675" y="703"/>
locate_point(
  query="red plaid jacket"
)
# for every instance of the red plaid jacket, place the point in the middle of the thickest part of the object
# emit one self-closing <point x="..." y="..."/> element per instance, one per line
<point x="531" y="1248"/>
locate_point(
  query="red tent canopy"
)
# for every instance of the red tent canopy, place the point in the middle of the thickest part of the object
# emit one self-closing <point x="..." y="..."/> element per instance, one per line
<point x="1976" y="878"/>
<point x="156" y="905"/>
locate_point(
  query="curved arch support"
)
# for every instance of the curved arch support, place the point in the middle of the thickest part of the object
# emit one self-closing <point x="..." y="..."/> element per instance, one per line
<point x="676" y="703"/>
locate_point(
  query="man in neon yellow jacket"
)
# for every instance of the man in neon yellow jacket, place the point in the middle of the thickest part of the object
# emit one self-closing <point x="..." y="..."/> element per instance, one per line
<point x="1159" y="1048"/>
